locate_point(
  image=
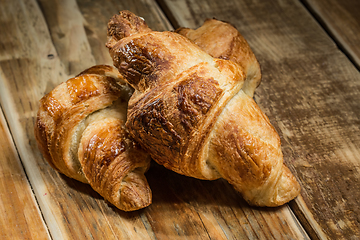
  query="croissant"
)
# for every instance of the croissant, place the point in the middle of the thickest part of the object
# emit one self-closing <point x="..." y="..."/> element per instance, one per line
<point x="80" y="130"/>
<point x="190" y="113"/>
<point x="222" y="40"/>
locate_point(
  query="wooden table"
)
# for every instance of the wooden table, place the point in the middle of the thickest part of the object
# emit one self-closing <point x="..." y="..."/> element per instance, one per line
<point x="310" y="56"/>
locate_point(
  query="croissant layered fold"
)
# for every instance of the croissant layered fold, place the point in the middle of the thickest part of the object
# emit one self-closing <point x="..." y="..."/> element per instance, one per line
<point x="80" y="130"/>
<point x="194" y="112"/>
<point x="222" y="40"/>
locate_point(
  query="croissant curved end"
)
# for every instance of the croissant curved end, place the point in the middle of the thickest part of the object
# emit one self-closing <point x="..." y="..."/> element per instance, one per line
<point x="133" y="196"/>
<point x="285" y="189"/>
<point x="288" y="187"/>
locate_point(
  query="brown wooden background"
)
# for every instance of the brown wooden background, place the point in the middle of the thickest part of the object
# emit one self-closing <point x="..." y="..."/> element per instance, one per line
<point x="310" y="56"/>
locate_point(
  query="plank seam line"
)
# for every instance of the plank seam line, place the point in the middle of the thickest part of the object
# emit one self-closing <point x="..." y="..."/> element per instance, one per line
<point x="165" y="9"/>
<point x="202" y="222"/>
<point x="330" y="33"/>
<point x="303" y="220"/>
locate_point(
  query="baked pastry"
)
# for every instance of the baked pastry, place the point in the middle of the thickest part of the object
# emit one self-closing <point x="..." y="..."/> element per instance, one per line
<point x="222" y="40"/>
<point x="190" y="113"/>
<point x="80" y="130"/>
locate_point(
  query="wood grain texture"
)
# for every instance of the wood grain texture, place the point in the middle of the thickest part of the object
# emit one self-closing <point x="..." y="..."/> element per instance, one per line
<point x="67" y="32"/>
<point x="96" y="15"/>
<point x="78" y="28"/>
<point x="188" y="208"/>
<point x="310" y="91"/>
<point x="342" y="20"/>
<point x="20" y="217"/>
<point x="35" y="56"/>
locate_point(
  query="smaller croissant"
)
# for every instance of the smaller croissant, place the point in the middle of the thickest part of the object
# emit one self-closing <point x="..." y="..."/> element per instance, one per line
<point x="222" y="40"/>
<point x="80" y="132"/>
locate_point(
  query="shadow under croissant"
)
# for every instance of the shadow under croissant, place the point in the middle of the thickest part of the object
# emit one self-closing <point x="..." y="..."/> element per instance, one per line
<point x="173" y="192"/>
<point x="87" y="191"/>
<point x="81" y="188"/>
<point x="170" y="188"/>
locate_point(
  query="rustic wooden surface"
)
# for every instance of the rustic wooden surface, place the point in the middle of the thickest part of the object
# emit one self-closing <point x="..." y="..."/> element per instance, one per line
<point x="310" y="91"/>
<point x="20" y="216"/>
<point x="341" y="19"/>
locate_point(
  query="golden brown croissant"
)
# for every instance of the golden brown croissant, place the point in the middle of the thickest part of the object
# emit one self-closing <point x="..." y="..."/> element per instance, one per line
<point x="80" y="130"/>
<point x="222" y="40"/>
<point x="190" y="113"/>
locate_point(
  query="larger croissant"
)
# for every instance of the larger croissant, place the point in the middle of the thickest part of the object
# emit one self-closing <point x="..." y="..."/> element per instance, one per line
<point x="80" y="130"/>
<point x="190" y="113"/>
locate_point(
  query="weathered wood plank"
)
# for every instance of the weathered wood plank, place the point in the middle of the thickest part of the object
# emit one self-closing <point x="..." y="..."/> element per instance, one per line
<point x="20" y="217"/>
<point x="96" y="15"/>
<point x="78" y="28"/>
<point x="311" y="93"/>
<point x="34" y="59"/>
<point x="342" y="20"/>
<point x="65" y="24"/>
<point x="188" y="208"/>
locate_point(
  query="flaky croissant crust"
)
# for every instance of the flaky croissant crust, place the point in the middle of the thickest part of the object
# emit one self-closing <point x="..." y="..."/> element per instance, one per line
<point x="190" y="112"/>
<point x="80" y="132"/>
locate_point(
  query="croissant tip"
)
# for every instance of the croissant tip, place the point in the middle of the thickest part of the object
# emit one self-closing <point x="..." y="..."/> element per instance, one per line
<point x="135" y="199"/>
<point x="123" y="25"/>
<point x="285" y="189"/>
